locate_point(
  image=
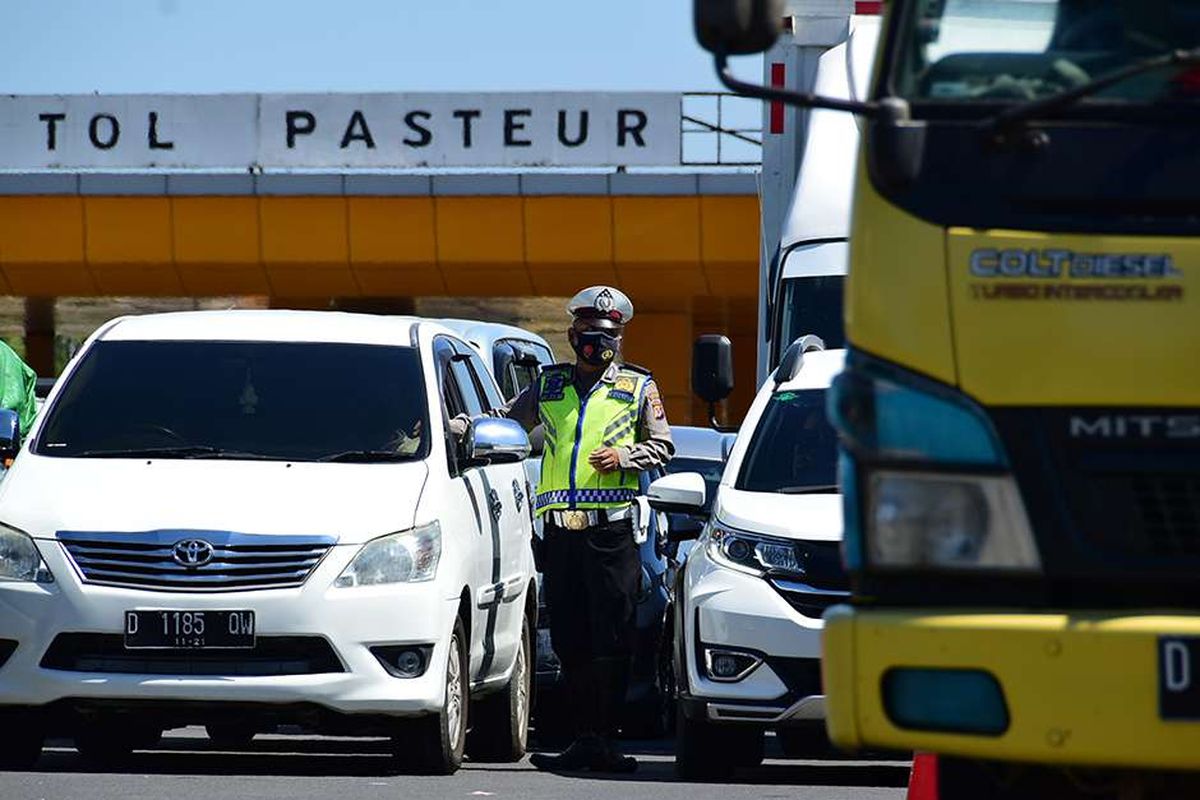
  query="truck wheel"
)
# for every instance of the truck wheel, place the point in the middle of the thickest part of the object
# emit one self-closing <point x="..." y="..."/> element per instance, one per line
<point x="500" y="722"/>
<point x="22" y="735"/>
<point x="231" y="735"/>
<point x="707" y="751"/>
<point x="433" y="745"/>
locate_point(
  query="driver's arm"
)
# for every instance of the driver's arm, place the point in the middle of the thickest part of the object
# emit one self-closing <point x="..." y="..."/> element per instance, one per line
<point x="522" y="409"/>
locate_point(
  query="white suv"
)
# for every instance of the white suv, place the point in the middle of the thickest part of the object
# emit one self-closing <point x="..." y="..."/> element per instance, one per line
<point x="767" y="565"/>
<point x="247" y="518"/>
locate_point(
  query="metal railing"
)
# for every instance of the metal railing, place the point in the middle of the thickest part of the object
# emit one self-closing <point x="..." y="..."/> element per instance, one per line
<point x="720" y="129"/>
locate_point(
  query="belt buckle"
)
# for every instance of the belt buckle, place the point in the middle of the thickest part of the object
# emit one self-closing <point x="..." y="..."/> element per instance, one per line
<point x="574" y="520"/>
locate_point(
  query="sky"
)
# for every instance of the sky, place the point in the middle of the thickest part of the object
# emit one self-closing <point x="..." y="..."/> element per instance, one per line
<point x="203" y="46"/>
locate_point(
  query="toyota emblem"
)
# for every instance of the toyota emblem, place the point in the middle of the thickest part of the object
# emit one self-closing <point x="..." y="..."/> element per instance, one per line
<point x="193" y="553"/>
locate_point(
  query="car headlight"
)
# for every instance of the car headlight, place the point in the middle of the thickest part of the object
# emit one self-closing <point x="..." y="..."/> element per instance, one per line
<point x="930" y="520"/>
<point x="751" y="553"/>
<point x="20" y="559"/>
<point x="407" y="557"/>
<point x="925" y="480"/>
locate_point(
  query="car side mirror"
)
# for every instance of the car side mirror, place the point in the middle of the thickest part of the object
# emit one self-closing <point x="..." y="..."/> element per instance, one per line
<point x="737" y="27"/>
<point x="496" y="441"/>
<point x="681" y="493"/>
<point x="10" y="434"/>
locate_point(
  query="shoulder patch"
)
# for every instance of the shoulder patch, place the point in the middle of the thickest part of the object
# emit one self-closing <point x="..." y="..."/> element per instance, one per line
<point x="554" y="382"/>
<point x="635" y="368"/>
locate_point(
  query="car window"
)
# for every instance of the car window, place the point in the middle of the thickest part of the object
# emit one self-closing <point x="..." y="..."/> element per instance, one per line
<point x="443" y="351"/>
<point x="467" y="390"/>
<point x="296" y="401"/>
<point x="794" y="448"/>
<point x="483" y="380"/>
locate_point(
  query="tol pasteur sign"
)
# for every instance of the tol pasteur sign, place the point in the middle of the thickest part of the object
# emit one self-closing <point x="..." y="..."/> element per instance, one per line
<point x="331" y="131"/>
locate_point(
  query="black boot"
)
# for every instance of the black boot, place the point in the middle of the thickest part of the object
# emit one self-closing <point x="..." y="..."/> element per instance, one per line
<point x="583" y="754"/>
<point x="612" y="683"/>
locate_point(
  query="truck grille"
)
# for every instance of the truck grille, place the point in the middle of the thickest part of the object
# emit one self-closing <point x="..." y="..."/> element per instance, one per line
<point x="194" y="561"/>
<point x="1168" y="509"/>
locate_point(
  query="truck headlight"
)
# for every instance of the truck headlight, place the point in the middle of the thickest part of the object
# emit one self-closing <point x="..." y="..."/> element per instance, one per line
<point x="20" y="559"/>
<point x="751" y="553"/>
<point x="944" y="521"/>
<point x="925" y="479"/>
<point x="407" y="557"/>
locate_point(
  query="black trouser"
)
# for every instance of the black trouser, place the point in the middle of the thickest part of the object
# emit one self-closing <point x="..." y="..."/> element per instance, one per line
<point x="591" y="581"/>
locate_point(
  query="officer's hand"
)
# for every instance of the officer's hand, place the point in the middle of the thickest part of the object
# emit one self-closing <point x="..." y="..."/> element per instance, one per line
<point x="604" y="459"/>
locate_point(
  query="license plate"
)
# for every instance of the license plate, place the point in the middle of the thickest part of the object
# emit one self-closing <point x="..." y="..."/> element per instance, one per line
<point x="188" y="630"/>
<point x="1178" y="681"/>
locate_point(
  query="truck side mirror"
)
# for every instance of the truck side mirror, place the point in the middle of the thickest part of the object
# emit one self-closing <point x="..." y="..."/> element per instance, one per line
<point x="737" y="27"/>
<point x="712" y="372"/>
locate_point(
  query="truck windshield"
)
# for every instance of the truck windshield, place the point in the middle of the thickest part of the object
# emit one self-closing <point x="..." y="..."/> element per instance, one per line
<point x="1012" y="51"/>
<point x="241" y="400"/>
<point x="794" y="449"/>
<point x="811" y="304"/>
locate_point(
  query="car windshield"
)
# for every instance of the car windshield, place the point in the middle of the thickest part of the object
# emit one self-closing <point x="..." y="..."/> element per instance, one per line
<point x="279" y="400"/>
<point x="794" y="449"/>
<point x="709" y="469"/>
<point x="1021" y="50"/>
<point x="812" y="304"/>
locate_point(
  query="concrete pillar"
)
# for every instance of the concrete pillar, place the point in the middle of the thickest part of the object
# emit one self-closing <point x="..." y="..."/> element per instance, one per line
<point x="660" y="339"/>
<point x="39" y="335"/>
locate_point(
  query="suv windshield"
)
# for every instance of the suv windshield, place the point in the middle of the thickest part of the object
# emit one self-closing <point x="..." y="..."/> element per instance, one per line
<point x="1020" y="50"/>
<point x="794" y="448"/>
<point x="279" y="400"/>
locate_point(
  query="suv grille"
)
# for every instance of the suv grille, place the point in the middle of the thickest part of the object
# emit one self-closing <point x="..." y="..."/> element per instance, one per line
<point x="193" y="561"/>
<point x="271" y="655"/>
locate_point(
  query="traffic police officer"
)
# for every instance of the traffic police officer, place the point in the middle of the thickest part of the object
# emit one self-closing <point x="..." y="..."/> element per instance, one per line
<point x="604" y="422"/>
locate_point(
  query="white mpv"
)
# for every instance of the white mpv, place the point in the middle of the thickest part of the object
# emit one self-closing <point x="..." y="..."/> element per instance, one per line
<point x="749" y="602"/>
<point x="241" y="519"/>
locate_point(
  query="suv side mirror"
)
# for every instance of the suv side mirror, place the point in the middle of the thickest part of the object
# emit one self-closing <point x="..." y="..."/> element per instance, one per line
<point x="496" y="441"/>
<point x="683" y="493"/>
<point x="737" y="27"/>
<point x="712" y="367"/>
<point x="10" y="434"/>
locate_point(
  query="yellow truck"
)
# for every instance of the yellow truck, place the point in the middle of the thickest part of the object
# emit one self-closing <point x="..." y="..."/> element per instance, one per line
<point x="1020" y="412"/>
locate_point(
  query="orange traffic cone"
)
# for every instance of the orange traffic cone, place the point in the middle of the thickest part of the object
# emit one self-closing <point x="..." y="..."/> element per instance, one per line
<point x="923" y="780"/>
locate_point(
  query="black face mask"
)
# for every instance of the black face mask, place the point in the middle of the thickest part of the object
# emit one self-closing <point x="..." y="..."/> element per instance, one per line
<point x="595" y="347"/>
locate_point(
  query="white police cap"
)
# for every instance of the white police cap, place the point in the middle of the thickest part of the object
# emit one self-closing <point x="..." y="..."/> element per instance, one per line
<point x="602" y="304"/>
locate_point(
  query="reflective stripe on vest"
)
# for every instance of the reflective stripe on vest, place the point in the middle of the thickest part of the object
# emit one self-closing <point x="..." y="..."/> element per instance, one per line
<point x="608" y="417"/>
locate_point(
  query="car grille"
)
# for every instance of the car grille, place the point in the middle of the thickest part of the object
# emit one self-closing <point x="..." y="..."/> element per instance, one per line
<point x="807" y="599"/>
<point x="235" y="561"/>
<point x="271" y="655"/>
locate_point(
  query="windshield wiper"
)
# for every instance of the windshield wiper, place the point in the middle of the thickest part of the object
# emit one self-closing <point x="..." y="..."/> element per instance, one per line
<point x="807" y="489"/>
<point x="1011" y="117"/>
<point x="367" y="456"/>
<point x="180" y="451"/>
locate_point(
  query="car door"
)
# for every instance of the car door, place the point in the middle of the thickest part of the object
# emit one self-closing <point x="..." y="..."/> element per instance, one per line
<point x="509" y="492"/>
<point x="466" y="502"/>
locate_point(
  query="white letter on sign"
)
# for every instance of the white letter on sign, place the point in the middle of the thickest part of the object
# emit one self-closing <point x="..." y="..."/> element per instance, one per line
<point x="1178" y="667"/>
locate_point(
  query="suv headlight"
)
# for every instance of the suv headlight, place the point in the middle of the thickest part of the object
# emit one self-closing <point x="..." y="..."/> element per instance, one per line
<point x="751" y="553"/>
<point x="925" y="480"/>
<point x="20" y="559"/>
<point x="407" y="557"/>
